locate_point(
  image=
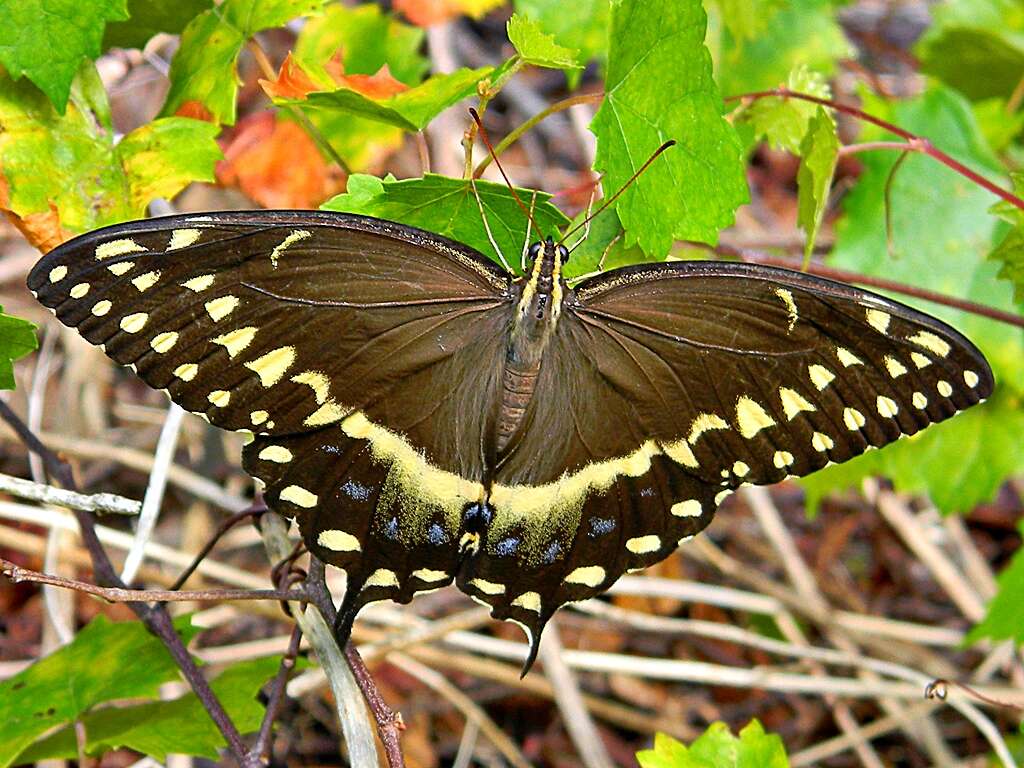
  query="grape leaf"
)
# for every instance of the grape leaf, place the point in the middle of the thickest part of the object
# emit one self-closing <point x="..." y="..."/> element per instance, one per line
<point x="447" y="206"/>
<point x="151" y="17"/>
<point x="975" y="46"/>
<point x="819" y="152"/>
<point x="157" y="728"/>
<point x="58" y="688"/>
<point x="585" y="30"/>
<point x="718" y="748"/>
<point x="89" y="180"/>
<point x="941" y="233"/>
<point x="46" y="40"/>
<point x="17" y="339"/>
<point x="602" y="249"/>
<point x="1009" y="253"/>
<point x="1003" y="618"/>
<point x="410" y="110"/>
<point x="368" y="40"/>
<point x="204" y="69"/>
<point x="783" y="122"/>
<point x="536" y="47"/>
<point x="659" y="87"/>
<point x="804" y="32"/>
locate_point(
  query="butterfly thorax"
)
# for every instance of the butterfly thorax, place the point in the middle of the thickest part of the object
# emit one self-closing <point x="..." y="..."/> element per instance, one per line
<point x="536" y="316"/>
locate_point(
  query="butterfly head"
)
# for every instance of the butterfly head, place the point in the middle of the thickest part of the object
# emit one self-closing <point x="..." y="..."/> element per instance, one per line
<point x="548" y="249"/>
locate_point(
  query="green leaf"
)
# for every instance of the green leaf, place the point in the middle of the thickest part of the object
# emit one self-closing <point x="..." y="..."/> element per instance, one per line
<point x="940" y="235"/>
<point x="538" y="48"/>
<point x="446" y="206"/>
<point x="17" y="339"/>
<point x="746" y="19"/>
<point x="585" y="30"/>
<point x="1004" y="619"/>
<point x="410" y="110"/>
<point x="151" y="17"/>
<point x="204" y="69"/>
<point x="91" y="181"/>
<point x="179" y="726"/>
<point x="603" y="248"/>
<point x="718" y="748"/>
<point x="804" y="32"/>
<point x="46" y="40"/>
<point x="783" y="123"/>
<point x="659" y="87"/>
<point x="94" y="668"/>
<point x="1009" y="253"/>
<point x="975" y="46"/>
<point x="818" y="155"/>
<point x="368" y="40"/>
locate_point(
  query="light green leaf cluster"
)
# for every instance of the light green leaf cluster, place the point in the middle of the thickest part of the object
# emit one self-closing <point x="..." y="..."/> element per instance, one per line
<point x="537" y="47"/>
<point x="819" y="152"/>
<point x="17" y="339"/>
<point x="718" y="748"/>
<point x="784" y="122"/>
<point x="584" y="31"/>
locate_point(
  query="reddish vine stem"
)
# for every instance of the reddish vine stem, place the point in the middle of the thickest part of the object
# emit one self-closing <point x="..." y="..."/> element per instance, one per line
<point x="915" y="143"/>
<point x="155" y="618"/>
<point x="261" y="747"/>
<point x="937" y="690"/>
<point x="848" y="276"/>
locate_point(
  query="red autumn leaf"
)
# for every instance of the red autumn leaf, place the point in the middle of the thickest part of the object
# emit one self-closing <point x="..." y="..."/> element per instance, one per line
<point x="380" y="85"/>
<point x="196" y="110"/>
<point x="275" y="163"/>
<point x="42" y="229"/>
<point x="291" y="82"/>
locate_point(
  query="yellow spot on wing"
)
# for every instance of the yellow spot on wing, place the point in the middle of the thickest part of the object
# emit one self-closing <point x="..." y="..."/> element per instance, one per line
<point x="750" y="417"/>
<point x="887" y="406"/>
<point x="382" y="577"/>
<point x="944" y="388"/>
<point x="429" y="574"/>
<point x="117" y="248"/>
<point x="821" y="442"/>
<point x="276" y="453"/>
<point x="146" y="280"/>
<point x="58" y="273"/>
<point x="821" y="376"/>
<point x="272" y="366"/>
<point x="930" y="342"/>
<point x="181" y="238"/>
<point x="680" y="453"/>
<point x="219" y="398"/>
<point x="328" y="413"/>
<point x="237" y="340"/>
<point x="221" y="307"/>
<point x="853" y="419"/>
<point x="878" y="319"/>
<point x="921" y="361"/>
<point x="894" y="366"/>
<point x="589" y="575"/>
<point x="642" y="545"/>
<point x="164" y="342"/>
<point x="187" y="371"/>
<point x="121" y="267"/>
<point x="971" y="379"/>
<point x="258" y="417"/>
<point x="706" y="422"/>
<point x="847" y="358"/>
<point x="134" y="323"/>
<point x="79" y="290"/>
<point x="528" y="601"/>
<point x="318" y="381"/>
<point x="198" y="284"/>
<point x="339" y="541"/>
<point x="100" y="308"/>
<point x="920" y="401"/>
<point x="740" y="468"/>
<point x="783" y="459"/>
<point x="688" y="508"/>
<point x="299" y="496"/>
<point x="488" y="587"/>
<point x="793" y="402"/>
<point x="787" y="299"/>
<point x="294" y="237"/>
<point x="722" y="496"/>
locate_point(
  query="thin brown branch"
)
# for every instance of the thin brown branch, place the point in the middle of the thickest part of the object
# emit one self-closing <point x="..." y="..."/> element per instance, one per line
<point x="261" y="747"/>
<point x="914" y="142"/>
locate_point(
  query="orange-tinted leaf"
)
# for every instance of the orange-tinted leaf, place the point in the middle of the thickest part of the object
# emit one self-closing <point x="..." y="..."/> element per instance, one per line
<point x="42" y="230"/>
<point x="195" y="110"/>
<point x="276" y="164"/>
<point x="380" y="85"/>
<point x="427" y="12"/>
<point x="292" y="81"/>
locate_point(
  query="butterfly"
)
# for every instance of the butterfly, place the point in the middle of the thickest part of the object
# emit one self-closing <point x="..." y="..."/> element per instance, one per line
<point x="428" y="417"/>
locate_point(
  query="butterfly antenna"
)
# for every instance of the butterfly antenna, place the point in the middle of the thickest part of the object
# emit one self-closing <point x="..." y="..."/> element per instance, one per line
<point x="623" y="188"/>
<point x="494" y="157"/>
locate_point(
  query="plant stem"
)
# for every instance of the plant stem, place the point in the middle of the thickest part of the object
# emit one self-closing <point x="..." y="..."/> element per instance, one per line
<point x="917" y="143"/>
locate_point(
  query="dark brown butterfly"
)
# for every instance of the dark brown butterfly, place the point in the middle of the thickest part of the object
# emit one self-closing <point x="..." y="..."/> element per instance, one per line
<point x="428" y="417"/>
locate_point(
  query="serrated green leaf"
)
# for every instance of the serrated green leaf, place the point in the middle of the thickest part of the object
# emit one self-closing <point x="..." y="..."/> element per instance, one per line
<point x="91" y="181"/>
<point x="585" y="30"/>
<point x="538" y="48"/>
<point x="151" y="17"/>
<point x="1004" y="619"/>
<point x="1009" y="252"/>
<point x="46" y="40"/>
<point x="409" y="110"/>
<point x="804" y="32"/>
<point x="204" y="69"/>
<point x="975" y="46"/>
<point x="746" y="19"/>
<point x="92" y="669"/>
<point x="179" y="726"/>
<point x="659" y="87"/>
<point x="446" y="206"/>
<point x="17" y="339"/>
<point x="819" y="152"/>
<point x="941" y="233"/>
<point x="718" y="748"/>
<point x="368" y="40"/>
<point x="783" y="123"/>
<point x="603" y="248"/>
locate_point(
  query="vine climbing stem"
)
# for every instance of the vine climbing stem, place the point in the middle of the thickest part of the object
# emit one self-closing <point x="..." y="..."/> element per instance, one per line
<point x="913" y="142"/>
